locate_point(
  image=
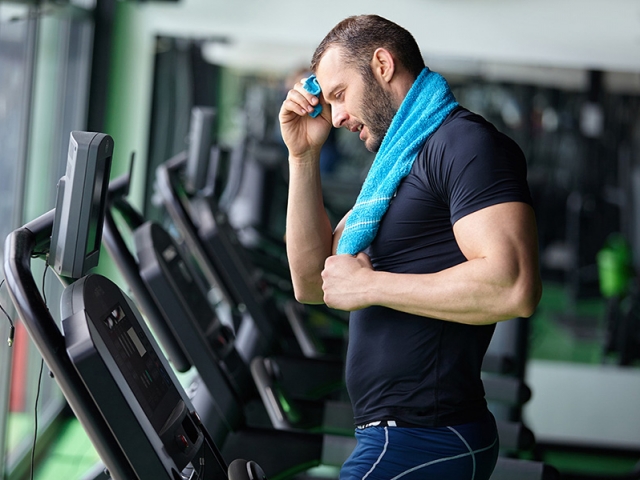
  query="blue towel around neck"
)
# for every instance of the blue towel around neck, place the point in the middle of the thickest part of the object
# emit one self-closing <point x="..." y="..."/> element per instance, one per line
<point x="423" y="110"/>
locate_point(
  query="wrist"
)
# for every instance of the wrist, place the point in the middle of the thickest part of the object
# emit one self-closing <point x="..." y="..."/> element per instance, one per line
<point x="374" y="294"/>
<point x="304" y="159"/>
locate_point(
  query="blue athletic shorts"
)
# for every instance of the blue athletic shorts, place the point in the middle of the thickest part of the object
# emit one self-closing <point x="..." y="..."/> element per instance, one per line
<point x="459" y="452"/>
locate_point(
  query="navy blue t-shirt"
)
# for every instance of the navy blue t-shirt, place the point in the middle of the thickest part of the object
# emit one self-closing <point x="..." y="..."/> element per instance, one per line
<point x="420" y="370"/>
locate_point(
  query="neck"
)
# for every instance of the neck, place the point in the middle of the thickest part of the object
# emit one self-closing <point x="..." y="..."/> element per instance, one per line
<point x="400" y="86"/>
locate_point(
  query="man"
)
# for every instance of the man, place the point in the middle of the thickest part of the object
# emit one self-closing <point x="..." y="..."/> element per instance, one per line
<point x="440" y="246"/>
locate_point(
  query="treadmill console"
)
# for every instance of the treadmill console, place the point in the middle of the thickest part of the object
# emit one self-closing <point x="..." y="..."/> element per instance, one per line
<point x="130" y="380"/>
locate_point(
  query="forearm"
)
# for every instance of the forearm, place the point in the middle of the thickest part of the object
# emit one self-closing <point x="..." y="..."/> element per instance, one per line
<point x="308" y="230"/>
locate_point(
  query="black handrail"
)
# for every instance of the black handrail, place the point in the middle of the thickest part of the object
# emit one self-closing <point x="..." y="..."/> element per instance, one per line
<point x="21" y="245"/>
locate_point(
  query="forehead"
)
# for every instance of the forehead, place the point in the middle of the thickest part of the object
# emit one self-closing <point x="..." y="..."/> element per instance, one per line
<point x="332" y="70"/>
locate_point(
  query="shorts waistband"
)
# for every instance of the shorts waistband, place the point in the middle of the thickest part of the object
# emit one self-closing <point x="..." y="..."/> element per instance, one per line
<point x="385" y="423"/>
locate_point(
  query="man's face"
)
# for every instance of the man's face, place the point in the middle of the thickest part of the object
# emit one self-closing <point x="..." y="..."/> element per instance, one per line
<point x="358" y="103"/>
<point x="377" y="111"/>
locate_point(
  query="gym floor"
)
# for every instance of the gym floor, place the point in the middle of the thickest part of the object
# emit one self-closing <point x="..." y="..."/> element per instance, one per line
<point x="559" y="332"/>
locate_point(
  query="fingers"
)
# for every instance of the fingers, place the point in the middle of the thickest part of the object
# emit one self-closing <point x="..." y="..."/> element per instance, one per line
<point x="300" y="101"/>
<point x="343" y="285"/>
<point x="311" y="97"/>
<point x="300" y="131"/>
<point x="297" y="103"/>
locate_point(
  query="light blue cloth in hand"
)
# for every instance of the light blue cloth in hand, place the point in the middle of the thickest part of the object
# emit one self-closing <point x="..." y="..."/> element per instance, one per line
<point x="312" y="86"/>
<point x="423" y="110"/>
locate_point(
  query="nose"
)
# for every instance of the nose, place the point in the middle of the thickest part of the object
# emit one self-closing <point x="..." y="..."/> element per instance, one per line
<point x="338" y="115"/>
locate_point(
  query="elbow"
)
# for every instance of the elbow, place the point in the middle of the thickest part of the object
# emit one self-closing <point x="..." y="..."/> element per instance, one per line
<point x="308" y="295"/>
<point x="528" y="298"/>
<point x="527" y="307"/>
<point x="308" y="299"/>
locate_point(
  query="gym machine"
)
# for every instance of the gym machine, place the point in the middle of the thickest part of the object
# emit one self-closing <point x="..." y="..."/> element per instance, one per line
<point x="108" y="366"/>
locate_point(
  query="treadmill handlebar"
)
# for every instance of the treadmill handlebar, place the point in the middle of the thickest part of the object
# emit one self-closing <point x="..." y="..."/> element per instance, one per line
<point x="20" y="246"/>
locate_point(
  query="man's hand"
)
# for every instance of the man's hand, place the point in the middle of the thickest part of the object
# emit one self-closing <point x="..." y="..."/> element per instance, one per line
<point x="345" y="280"/>
<point x="303" y="134"/>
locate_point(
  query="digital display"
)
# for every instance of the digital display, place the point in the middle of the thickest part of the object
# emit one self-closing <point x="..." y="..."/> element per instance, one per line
<point x="137" y="360"/>
<point x="80" y="202"/>
<point x="136" y="341"/>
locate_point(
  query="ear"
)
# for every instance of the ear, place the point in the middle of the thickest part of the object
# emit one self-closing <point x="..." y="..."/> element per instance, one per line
<point x="383" y="65"/>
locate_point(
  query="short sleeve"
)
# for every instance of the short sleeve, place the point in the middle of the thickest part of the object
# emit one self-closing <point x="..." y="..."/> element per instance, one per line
<point x="475" y="166"/>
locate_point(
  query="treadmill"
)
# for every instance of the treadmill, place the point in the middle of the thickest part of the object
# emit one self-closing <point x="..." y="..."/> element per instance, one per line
<point x="107" y="364"/>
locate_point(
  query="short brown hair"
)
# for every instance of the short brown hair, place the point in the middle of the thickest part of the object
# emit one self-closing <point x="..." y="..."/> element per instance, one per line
<point x="359" y="36"/>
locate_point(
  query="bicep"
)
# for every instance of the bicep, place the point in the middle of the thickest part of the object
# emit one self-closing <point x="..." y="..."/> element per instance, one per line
<point x="503" y="234"/>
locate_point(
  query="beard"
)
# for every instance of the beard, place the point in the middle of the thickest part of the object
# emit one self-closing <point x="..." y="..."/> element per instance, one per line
<point x="378" y="110"/>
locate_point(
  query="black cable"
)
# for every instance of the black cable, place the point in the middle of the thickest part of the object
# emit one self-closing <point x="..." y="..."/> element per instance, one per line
<point x="44" y="274"/>
<point x="12" y="330"/>
<point x="35" y="418"/>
